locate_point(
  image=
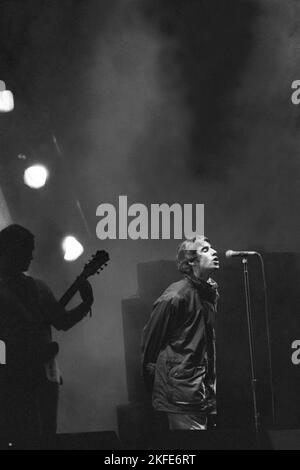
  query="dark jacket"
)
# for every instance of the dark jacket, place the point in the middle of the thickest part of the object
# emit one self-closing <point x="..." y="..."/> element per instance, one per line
<point x="178" y="348"/>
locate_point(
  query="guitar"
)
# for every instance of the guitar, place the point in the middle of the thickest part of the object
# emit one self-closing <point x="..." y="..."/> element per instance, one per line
<point x="93" y="266"/>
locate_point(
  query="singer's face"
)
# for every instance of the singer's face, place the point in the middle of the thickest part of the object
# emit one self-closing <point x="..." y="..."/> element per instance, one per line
<point x="207" y="260"/>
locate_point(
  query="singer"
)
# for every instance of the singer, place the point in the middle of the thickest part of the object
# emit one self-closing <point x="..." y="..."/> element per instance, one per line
<point x="178" y="344"/>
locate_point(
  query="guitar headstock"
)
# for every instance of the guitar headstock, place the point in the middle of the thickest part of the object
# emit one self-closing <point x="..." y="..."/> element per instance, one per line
<point x="95" y="264"/>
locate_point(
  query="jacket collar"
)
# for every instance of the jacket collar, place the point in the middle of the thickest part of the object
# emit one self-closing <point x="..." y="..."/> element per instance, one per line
<point x="208" y="289"/>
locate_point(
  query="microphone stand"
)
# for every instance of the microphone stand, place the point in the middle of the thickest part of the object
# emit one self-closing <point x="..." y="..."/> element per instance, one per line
<point x="251" y="348"/>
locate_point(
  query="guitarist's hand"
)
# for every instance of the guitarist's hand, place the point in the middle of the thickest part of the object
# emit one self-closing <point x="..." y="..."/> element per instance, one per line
<point x="86" y="293"/>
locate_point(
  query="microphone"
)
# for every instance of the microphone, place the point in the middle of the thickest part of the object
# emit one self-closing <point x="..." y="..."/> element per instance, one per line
<point x="231" y="253"/>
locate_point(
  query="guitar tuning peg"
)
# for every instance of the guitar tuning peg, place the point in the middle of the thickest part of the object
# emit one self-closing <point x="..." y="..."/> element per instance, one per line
<point x="105" y="264"/>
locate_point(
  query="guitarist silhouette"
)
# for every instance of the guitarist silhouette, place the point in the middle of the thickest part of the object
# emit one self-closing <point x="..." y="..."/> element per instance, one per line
<point x="29" y="381"/>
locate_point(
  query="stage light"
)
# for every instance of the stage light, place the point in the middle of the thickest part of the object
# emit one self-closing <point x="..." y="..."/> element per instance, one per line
<point x="72" y="248"/>
<point x="36" y="176"/>
<point x="6" y="99"/>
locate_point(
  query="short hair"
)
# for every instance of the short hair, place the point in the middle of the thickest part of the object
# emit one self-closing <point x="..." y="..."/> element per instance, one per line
<point x="15" y="236"/>
<point x="187" y="252"/>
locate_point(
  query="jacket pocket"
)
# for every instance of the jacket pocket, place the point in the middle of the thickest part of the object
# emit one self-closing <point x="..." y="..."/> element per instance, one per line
<point x="186" y="385"/>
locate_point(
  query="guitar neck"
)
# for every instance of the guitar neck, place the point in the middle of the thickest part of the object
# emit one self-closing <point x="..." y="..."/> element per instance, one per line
<point x="94" y="266"/>
<point x="65" y="299"/>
